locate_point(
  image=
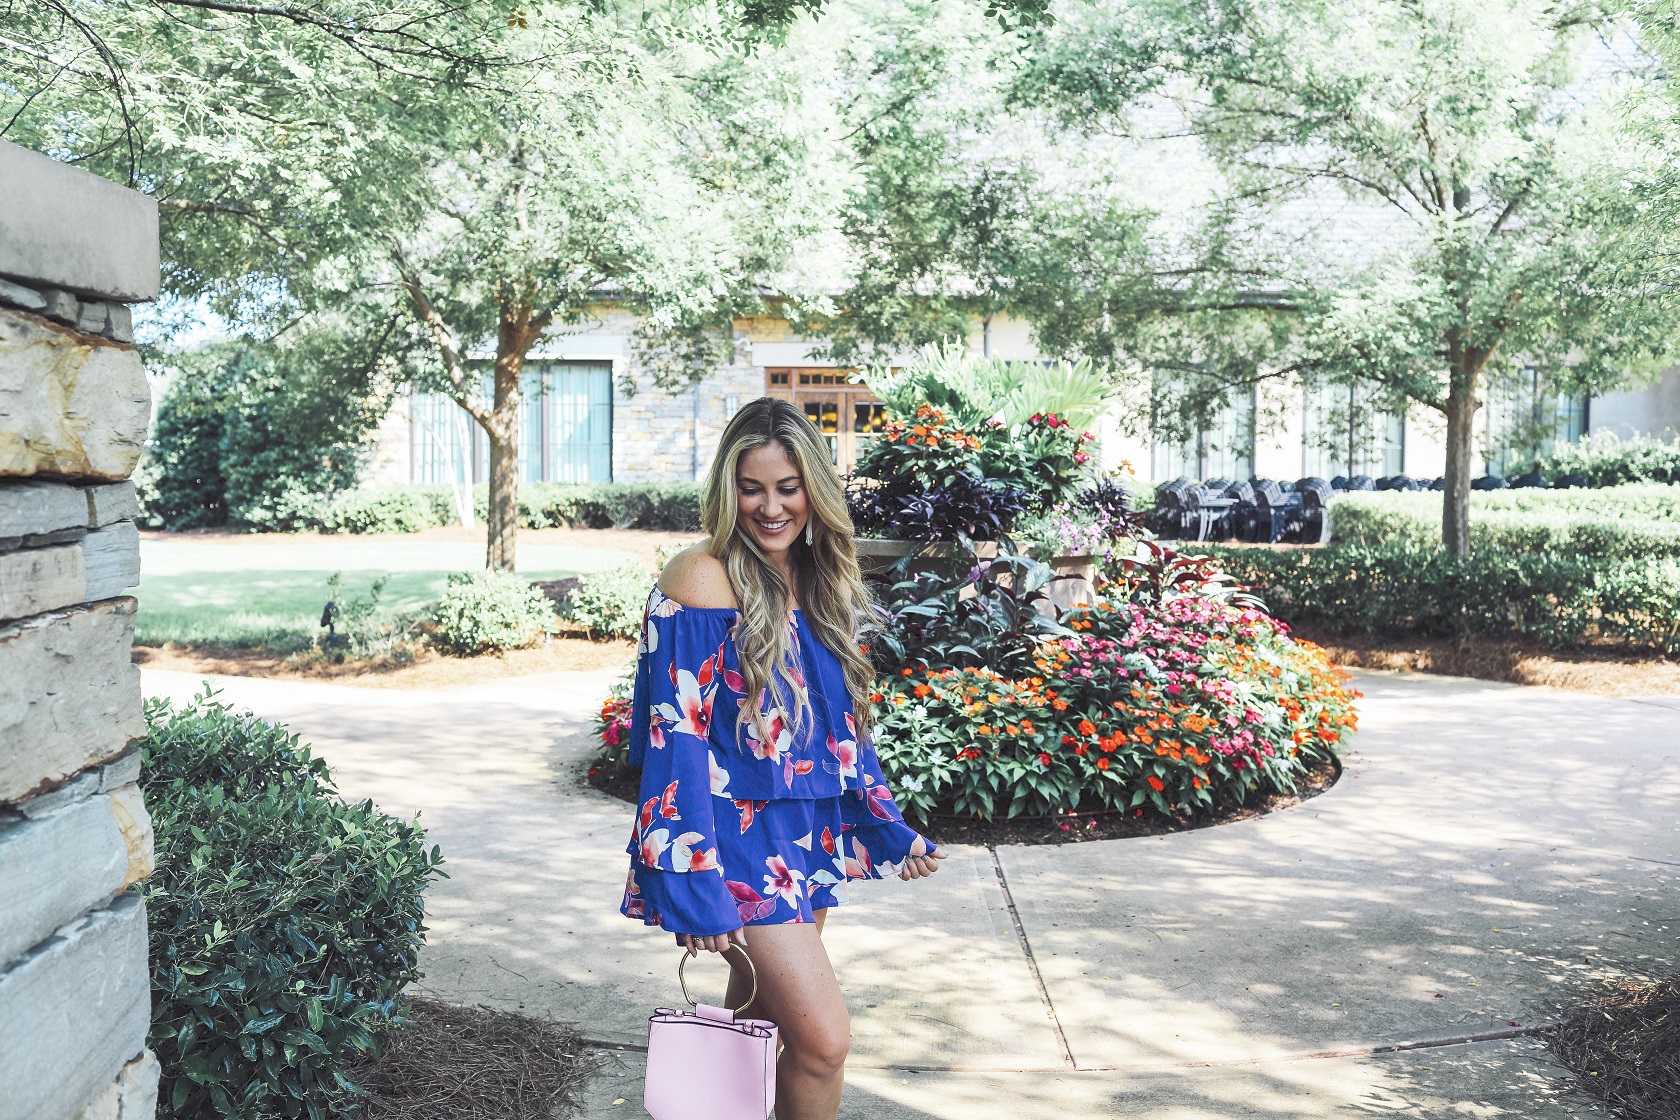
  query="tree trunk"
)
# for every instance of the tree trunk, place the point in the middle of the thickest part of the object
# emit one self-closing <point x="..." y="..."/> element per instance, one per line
<point x="1461" y="415"/>
<point x="518" y="327"/>
<point x="502" y="517"/>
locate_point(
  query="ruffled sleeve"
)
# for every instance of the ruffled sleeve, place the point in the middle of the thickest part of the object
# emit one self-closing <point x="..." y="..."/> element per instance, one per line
<point x="675" y="838"/>
<point x="876" y="839"/>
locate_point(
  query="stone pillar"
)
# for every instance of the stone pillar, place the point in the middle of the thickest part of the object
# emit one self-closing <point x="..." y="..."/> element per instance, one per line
<point x="75" y="991"/>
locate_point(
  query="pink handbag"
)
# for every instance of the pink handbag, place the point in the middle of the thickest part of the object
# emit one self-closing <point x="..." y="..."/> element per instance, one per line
<point x="706" y="1064"/>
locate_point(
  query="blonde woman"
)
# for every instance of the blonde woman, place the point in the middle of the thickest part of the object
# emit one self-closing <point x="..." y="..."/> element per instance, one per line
<point x="761" y="794"/>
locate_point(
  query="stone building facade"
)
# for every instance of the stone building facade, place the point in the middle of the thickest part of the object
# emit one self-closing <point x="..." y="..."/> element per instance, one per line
<point x="75" y="992"/>
<point x="642" y="433"/>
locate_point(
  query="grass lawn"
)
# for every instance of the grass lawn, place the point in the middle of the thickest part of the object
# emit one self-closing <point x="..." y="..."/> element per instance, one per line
<point x="244" y="591"/>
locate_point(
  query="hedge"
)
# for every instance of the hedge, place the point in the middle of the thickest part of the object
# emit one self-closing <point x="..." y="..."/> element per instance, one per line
<point x="672" y="506"/>
<point x="1605" y="459"/>
<point x="1626" y="522"/>
<point x="1405" y="589"/>
<point x="285" y="922"/>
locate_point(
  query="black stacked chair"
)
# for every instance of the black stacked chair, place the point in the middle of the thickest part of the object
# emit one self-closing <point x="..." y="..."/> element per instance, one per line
<point x="1260" y="510"/>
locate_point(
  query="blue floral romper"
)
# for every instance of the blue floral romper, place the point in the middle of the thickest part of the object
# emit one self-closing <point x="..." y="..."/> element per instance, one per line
<point x="737" y="831"/>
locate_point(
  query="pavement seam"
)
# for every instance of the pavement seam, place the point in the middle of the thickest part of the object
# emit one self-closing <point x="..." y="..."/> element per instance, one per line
<point x="1032" y="962"/>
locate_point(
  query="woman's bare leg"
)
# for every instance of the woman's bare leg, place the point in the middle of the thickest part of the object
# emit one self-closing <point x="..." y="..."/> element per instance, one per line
<point x="740" y="984"/>
<point x="798" y="992"/>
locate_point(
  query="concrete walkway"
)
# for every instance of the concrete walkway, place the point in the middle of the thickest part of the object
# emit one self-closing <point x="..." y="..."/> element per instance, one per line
<point x="1486" y="844"/>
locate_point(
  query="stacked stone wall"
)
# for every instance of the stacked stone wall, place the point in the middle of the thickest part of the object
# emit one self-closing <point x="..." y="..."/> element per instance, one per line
<point x="75" y="995"/>
<point x="660" y="436"/>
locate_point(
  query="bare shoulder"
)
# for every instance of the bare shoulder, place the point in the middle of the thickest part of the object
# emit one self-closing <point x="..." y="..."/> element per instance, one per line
<point x="696" y="578"/>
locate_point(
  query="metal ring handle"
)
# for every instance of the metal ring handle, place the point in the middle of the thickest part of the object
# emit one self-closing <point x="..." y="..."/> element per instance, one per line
<point x="752" y="971"/>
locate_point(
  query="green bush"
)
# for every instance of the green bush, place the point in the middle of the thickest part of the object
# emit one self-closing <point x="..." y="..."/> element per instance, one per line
<point x="284" y="922"/>
<point x="1626" y="522"/>
<point x="251" y="436"/>
<point x="1606" y="459"/>
<point x="489" y="611"/>
<point x="387" y="509"/>
<point x="609" y="604"/>
<point x="671" y="506"/>
<point x="1407" y="589"/>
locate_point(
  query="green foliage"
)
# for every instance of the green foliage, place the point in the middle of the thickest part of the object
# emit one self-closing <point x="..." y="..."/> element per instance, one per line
<point x="1178" y="706"/>
<point x="669" y="506"/>
<point x="256" y="436"/>
<point x="489" y="611"/>
<point x="284" y="922"/>
<point x="1621" y="522"/>
<point x="1494" y="164"/>
<point x="353" y="628"/>
<point x="386" y="509"/>
<point x="1402" y="588"/>
<point x="1607" y="460"/>
<point x="974" y="391"/>
<point x="609" y="604"/>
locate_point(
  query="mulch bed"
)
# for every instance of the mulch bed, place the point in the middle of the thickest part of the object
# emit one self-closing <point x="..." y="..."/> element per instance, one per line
<point x="1609" y="670"/>
<point x="472" y="1063"/>
<point x="1621" y="1039"/>
<point x="1071" y="828"/>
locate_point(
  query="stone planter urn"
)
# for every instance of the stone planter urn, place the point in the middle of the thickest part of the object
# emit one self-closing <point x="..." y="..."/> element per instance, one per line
<point x="1073" y="583"/>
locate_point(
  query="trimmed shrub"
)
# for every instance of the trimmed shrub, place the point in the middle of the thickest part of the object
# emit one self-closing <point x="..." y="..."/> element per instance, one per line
<point x="1606" y="459"/>
<point x="284" y="922"/>
<point x="387" y="509"/>
<point x="1407" y="589"/>
<point x="1183" y="704"/>
<point x="609" y="604"/>
<point x="669" y="506"/>
<point x="489" y="611"/>
<point x="1640" y="520"/>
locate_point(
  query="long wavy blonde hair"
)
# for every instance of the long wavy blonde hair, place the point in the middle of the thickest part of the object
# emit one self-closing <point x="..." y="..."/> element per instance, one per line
<point x="831" y="591"/>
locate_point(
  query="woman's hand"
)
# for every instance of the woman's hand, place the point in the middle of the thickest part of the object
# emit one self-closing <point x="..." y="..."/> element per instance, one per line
<point x="719" y="943"/>
<point x="919" y="864"/>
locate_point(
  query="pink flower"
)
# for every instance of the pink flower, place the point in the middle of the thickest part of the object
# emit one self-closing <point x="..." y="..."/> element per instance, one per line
<point x="654" y="845"/>
<point x="782" y="881"/>
<point x="685" y="857"/>
<point x="846" y="752"/>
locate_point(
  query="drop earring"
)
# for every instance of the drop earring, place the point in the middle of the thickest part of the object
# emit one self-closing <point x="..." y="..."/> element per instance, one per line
<point x="807" y="532"/>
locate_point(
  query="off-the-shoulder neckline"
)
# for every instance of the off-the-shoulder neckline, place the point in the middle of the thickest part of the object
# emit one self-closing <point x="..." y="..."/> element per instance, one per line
<point x="729" y="610"/>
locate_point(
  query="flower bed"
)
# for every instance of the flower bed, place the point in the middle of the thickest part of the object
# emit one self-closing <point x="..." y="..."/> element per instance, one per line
<point x="1182" y="706"/>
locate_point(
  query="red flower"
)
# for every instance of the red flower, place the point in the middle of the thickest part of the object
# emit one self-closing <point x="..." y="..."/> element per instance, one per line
<point x="1043" y="759"/>
<point x="1156" y="784"/>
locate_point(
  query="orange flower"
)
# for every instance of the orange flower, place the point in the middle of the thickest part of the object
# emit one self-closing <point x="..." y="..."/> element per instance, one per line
<point x="1059" y="705"/>
<point x="1086" y="727"/>
<point x="921" y="690"/>
<point x="1102" y="764"/>
<point x="1026" y="725"/>
<point x="985" y="729"/>
<point x="1013" y="729"/>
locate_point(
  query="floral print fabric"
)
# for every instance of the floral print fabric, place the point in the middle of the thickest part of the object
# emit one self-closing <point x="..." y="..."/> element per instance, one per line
<point x="734" y="829"/>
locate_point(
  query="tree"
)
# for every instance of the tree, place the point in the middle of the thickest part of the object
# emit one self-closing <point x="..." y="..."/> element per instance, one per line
<point x="1424" y="191"/>
<point x="446" y="174"/>
<point x="962" y="206"/>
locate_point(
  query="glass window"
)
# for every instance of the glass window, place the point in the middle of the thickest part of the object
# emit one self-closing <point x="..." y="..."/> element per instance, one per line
<point x="1351" y="430"/>
<point x="1224" y="449"/>
<point x="1525" y="420"/>
<point x="443" y="437"/>
<point x="581" y="419"/>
